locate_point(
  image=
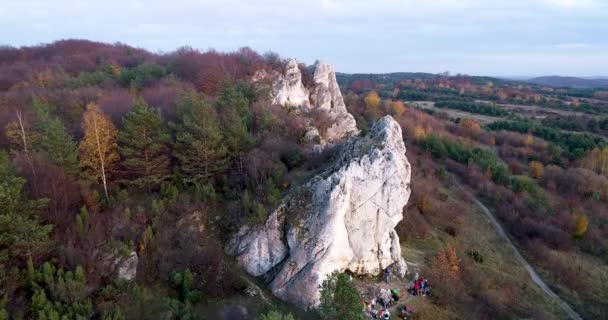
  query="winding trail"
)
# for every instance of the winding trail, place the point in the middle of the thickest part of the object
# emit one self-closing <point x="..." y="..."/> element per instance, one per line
<point x="535" y="278"/>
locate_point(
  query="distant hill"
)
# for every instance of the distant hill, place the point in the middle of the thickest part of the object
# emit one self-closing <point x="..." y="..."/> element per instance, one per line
<point x="346" y="80"/>
<point x="571" y="82"/>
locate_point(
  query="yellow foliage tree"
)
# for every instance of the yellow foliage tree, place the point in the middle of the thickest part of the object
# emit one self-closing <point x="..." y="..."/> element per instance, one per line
<point x="536" y="169"/>
<point x="395" y="108"/>
<point x="115" y="70"/>
<point x="419" y="132"/>
<point x="424" y="203"/>
<point x="372" y="99"/>
<point x="597" y="160"/>
<point x="579" y="227"/>
<point x="98" y="150"/>
<point x="529" y="140"/>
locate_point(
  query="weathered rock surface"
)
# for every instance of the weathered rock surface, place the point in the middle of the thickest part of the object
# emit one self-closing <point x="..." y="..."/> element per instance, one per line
<point x="127" y="267"/>
<point x="343" y="219"/>
<point x="325" y="96"/>
<point x="288" y="89"/>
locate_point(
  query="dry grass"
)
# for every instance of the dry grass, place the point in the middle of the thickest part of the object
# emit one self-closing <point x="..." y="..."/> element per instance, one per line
<point x="500" y="278"/>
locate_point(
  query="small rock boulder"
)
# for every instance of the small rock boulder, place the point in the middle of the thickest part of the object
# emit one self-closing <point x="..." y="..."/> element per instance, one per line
<point x="127" y="267"/>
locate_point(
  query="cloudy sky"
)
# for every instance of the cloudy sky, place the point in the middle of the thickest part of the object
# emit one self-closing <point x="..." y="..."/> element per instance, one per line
<point x="489" y="37"/>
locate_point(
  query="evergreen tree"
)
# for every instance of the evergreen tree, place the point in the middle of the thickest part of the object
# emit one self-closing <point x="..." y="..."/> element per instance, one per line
<point x="55" y="140"/>
<point x="143" y="144"/>
<point x="275" y="315"/>
<point x="98" y="152"/>
<point x="21" y="233"/>
<point x="340" y="298"/>
<point x="233" y="105"/>
<point x="59" y="294"/>
<point x="199" y="144"/>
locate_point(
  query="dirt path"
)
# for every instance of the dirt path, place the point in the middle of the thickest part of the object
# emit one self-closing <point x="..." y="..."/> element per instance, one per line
<point x="533" y="275"/>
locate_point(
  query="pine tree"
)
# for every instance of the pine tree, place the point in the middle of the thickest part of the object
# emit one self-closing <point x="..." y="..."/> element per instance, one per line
<point x="275" y="315"/>
<point x="98" y="153"/>
<point x="21" y="233"/>
<point x="143" y="144"/>
<point x="340" y="298"/>
<point x="233" y="106"/>
<point x="199" y="144"/>
<point x="55" y="140"/>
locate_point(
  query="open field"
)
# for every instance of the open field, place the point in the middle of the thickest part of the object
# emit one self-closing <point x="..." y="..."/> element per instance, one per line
<point x="430" y="105"/>
<point x="531" y="111"/>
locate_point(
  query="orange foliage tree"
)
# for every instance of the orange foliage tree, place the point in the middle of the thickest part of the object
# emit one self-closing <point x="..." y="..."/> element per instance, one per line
<point x="580" y="225"/>
<point x="447" y="262"/>
<point x="469" y="124"/>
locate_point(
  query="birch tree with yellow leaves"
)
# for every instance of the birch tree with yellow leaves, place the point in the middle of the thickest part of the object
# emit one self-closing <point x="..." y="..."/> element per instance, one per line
<point x="98" y="149"/>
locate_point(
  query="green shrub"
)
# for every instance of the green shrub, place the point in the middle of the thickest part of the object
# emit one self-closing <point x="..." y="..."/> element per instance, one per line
<point x="476" y="255"/>
<point x="275" y="315"/>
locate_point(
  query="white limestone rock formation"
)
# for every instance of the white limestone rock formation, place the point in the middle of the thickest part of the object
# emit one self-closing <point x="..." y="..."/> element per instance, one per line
<point x="325" y="96"/>
<point x="288" y="89"/>
<point x="342" y="219"/>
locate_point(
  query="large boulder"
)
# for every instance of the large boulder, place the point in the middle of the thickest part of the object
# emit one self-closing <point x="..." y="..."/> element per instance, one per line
<point x="342" y="219"/>
<point x="323" y="97"/>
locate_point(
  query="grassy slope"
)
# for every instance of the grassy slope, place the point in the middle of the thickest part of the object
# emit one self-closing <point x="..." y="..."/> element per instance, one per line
<point x="499" y="270"/>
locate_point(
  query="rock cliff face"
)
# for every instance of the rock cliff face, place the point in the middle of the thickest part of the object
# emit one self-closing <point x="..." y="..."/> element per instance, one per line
<point x="343" y="219"/>
<point x="325" y="96"/>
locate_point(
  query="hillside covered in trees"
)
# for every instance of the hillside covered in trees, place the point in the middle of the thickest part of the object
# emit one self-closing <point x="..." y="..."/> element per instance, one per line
<point x="109" y="150"/>
<point x="110" y="153"/>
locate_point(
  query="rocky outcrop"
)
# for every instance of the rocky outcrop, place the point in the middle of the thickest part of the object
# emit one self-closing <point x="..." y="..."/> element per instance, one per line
<point x="127" y="267"/>
<point x="287" y="89"/>
<point x="343" y="219"/>
<point x="324" y="96"/>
